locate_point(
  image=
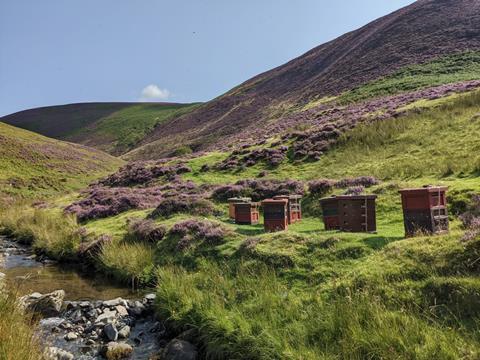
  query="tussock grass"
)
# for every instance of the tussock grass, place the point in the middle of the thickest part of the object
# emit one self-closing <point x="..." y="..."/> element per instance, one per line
<point x="46" y="230"/>
<point x="252" y="314"/>
<point x="128" y="262"/>
<point x="17" y="341"/>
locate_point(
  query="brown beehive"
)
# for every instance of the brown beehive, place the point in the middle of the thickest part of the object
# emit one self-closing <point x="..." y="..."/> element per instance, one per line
<point x="246" y="213"/>
<point x="275" y="214"/>
<point x="231" y="205"/>
<point x="352" y="213"/>
<point x="330" y="213"/>
<point x="425" y="210"/>
<point x="294" y="207"/>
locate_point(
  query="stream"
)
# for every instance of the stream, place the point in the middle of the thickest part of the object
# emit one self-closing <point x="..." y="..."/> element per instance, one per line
<point x="89" y="306"/>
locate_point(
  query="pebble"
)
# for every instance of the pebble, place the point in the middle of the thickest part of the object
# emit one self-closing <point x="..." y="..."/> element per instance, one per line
<point x="71" y="336"/>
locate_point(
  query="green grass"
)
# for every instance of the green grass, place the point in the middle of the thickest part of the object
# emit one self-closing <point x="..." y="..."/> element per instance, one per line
<point x="444" y="70"/>
<point x="32" y="165"/>
<point x="120" y="131"/>
<point x="17" y="341"/>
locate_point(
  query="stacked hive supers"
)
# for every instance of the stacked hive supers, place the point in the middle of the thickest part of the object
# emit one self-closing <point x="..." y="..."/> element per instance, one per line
<point x="246" y="213"/>
<point x="294" y="208"/>
<point x="231" y="205"/>
<point x="275" y="214"/>
<point x="425" y="210"/>
<point x="353" y="213"/>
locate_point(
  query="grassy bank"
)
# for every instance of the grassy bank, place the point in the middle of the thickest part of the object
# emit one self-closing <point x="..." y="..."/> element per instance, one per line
<point x="17" y="340"/>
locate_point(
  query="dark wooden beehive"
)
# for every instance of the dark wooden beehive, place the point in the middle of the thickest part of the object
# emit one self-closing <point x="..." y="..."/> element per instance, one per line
<point x="275" y="214"/>
<point x="352" y="213"/>
<point x="246" y="213"/>
<point x="294" y="207"/>
<point x="330" y="213"/>
<point x="231" y="205"/>
<point x="425" y="210"/>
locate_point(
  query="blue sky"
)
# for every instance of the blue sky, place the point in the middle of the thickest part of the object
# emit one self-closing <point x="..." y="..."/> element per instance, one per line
<point x="64" y="51"/>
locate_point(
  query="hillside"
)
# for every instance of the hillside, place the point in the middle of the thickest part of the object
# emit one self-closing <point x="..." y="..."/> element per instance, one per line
<point x="32" y="165"/>
<point x="432" y="38"/>
<point x="111" y="127"/>
<point x="305" y="293"/>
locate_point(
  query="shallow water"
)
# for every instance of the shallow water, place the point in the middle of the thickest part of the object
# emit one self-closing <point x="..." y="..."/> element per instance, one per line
<point x="27" y="275"/>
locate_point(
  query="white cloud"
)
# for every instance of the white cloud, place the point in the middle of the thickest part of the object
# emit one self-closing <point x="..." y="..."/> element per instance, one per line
<point x="154" y="93"/>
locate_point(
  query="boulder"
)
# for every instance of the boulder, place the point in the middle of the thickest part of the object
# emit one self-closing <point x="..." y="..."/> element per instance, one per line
<point x="48" y="305"/>
<point x="106" y="317"/>
<point x="180" y="350"/>
<point x="124" y="332"/>
<point x="110" y="332"/>
<point x="138" y="309"/>
<point x="121" y="310"/>
<point x="116" y="351"/>
<point x="115" y="302"/>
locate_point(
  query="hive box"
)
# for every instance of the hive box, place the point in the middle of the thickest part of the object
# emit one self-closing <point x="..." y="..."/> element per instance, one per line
<point x="231" y="205"/>
<point x="294" y="207"/>
<point x="275" y="214"/>
<point x="352" y="213"/>
<point x="330" y="213"/>
<point x="425" y="210"/>
<point x="246" y="213"/>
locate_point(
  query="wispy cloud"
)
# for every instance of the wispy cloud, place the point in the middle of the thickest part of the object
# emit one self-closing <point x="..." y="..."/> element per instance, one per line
<point x="153" y="92"/>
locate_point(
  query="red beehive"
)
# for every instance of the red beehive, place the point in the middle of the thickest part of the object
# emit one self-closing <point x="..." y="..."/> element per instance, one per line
<point x="231" y="205"/>
<point x="353" y="213"/>
<point x="246" y="213"/>
<point x="330" y="213"/>
<point x="425" y="210"/>
<point x="275" y="214"/>
<point x="294" y="208"/>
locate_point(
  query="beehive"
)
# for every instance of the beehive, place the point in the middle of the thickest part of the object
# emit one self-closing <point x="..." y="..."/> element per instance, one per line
<point x="425" y="210"/>
<point x="352" y="213"/>
<point x="246" y="213"/>
<point x="275" y="214"/>
<point x="294" y="207"/>
<point x="231" y="205"/>
<point x="330" y="213"/>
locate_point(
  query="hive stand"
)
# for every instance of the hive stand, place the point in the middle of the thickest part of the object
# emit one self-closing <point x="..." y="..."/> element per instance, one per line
<point x="294" y="207"/>
<point x="425" y="210"/>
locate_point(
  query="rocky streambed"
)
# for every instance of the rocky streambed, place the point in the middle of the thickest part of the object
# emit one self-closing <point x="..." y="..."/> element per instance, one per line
<point x="76" y="326"/>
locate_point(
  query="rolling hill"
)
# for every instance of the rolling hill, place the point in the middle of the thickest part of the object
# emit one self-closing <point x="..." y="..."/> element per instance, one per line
<point x="32" y="165"/>
<point x="111" y="127"/>
<point x="428" y="43"/>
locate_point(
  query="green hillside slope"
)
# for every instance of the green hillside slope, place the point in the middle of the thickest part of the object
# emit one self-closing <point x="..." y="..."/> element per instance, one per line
<point x="111" y="127"/>
<point x="307" y="293"/>
<point x="32" y="165"/>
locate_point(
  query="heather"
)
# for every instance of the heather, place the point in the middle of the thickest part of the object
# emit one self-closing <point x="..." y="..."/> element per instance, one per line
<point x="142" y="173"/>
<point x="101" y="202"/>
<point x="471" y="219"/>
<point x="187" y="204"/>
<point x="192" y="232"/>
<point x="145" y="230"/>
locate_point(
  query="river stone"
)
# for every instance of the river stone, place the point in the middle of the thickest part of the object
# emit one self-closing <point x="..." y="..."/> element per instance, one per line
<point x="180" y="350"/>
<point x="150" y="297"/>
<point x="48" y="305"/>
<point x="122" y="310"/>
<point x="106" y="317"/>
<point x="137" y="309"/>
<point x="115" y="302"/>
<point x="71" y="336"/>
<point x="110" y="332"/>
<point x="124" y="332"/>
<point x="54" y="353"/>
<point x="116" y="351"/>
<point x="85" y="304"/>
